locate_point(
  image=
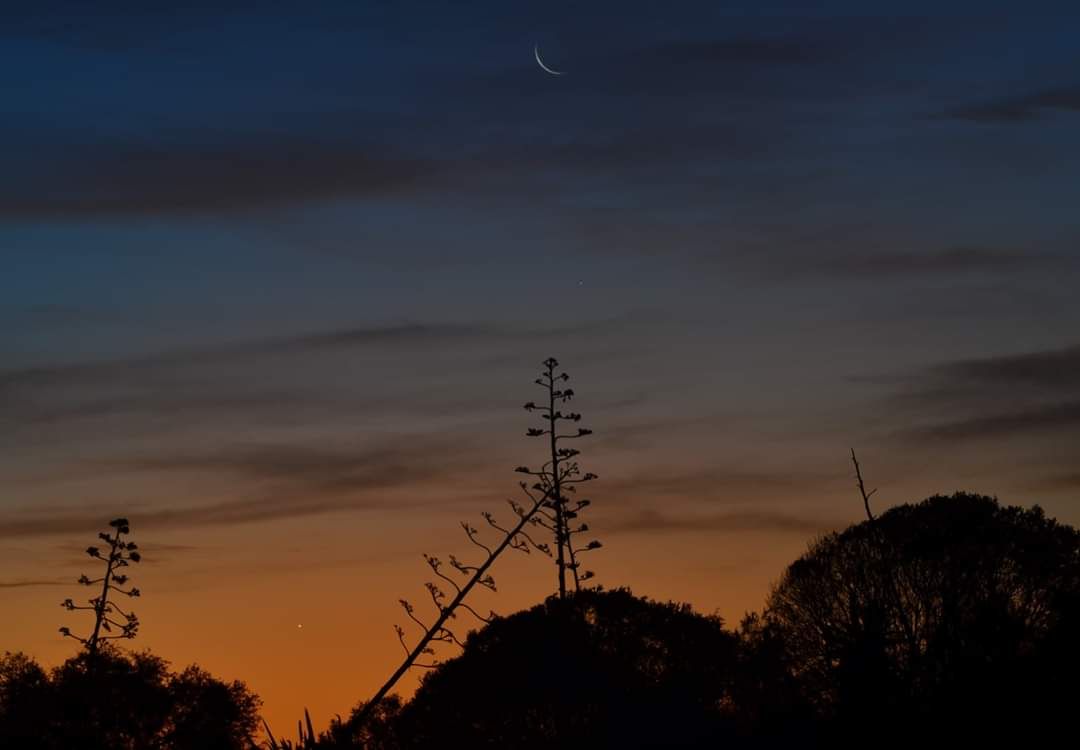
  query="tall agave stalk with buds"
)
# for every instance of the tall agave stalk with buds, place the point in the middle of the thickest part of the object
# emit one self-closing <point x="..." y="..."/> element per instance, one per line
<point x="558" y="477"/>
<point x="544" y="506"/>
<point x="110" y="620"/>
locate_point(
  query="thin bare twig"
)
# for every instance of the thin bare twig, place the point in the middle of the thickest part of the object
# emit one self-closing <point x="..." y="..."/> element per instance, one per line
<point x="862" y="488"/>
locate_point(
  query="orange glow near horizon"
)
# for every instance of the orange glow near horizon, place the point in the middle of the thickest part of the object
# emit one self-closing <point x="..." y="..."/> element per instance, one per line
<point x="232" y="603"/>
<point x="229" y="595"/>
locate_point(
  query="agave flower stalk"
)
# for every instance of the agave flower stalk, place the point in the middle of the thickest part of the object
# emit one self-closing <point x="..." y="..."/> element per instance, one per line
<point x="110" y="620"/>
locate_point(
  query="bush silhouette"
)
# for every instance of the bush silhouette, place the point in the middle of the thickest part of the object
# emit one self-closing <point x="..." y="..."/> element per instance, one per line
<point x="118" y="701"/>
<point x="953" y="613"/>
<point x="372" y="727"/>
<point x="24" y="701"/>
<point x="598" y="669"/>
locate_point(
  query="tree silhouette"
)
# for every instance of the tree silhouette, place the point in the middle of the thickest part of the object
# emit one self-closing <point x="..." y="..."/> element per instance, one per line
<point x="24" y="702"/>
<point x="770" y="705"/>
<point x="559" y="476"/>
<point x="593" y="669"/>
<point x="117" y="701"/>
<point x="120" y="554"/>
<point x="208" y="714"/>
<point x="930" y="611"/>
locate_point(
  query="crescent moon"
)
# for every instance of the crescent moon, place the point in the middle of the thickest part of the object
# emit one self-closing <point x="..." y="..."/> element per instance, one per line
<point x="536" y="52"/>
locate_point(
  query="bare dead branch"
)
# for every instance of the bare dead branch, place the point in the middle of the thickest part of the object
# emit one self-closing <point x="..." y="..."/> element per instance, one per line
<point x="862" y="488"/>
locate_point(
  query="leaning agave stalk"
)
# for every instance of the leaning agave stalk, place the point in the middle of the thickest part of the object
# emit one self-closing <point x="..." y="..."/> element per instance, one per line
<point x="514" y="538"/>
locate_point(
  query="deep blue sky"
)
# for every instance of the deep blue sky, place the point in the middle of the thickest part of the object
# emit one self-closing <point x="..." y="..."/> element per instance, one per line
<point x="272" y="261"/>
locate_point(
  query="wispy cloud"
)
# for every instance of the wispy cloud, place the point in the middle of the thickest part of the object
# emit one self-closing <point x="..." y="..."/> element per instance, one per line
<point x="113" y="26"/>
<point x="414" y="336"/>
<point x="988" y="382"/>
<point x="1063" y="416"/>
<point x="1051" y="368"/>
<point x="734" y="521"/>
<point x="1020" y="109"/>
<point x="282" y="483"/>
<point x="241" y="351"/>
<point x="948" y="262"/>
<point x="204" y="174"/>
<point x="1068" y="480"/>
<point x="729" y="484"/>
<point x="267" y="376"/>
<point x="990" y="398"/>
<point x="318" y="469"/>
<point x="247" y="379"/>
<point x="279" y="476"/>
<point x="240" y="168"/>
<point x="29" y="583"/>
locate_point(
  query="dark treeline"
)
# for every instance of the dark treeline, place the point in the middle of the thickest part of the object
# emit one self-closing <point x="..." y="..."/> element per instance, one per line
<point x="953" y="620"/>
<point x="956" y="619"/>
<point x="116" y="701"/>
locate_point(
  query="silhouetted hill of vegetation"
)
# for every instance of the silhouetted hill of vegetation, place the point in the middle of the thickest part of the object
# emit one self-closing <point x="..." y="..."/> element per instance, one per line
<point x="952" y="620"/>
<point x="596" y="669"/>
<point x="955" y="618"/>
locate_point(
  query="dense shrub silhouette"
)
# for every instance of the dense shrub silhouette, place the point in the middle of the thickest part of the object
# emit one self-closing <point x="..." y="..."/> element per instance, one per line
<point x="596" y="669"/>
<point x="24" y="707"/>
<point x="955" y="614"/>
<point x="374" y="727"/>
<point x="118" y="701"/>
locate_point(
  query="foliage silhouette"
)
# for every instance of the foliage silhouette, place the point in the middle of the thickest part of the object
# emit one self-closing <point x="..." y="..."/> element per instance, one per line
<point x="598" y="669"/>
<point x="944" y="613"/>
<point x="24" y="704"/>
<point x="120" y="554"/>
<point x="367" y="727"/>
<point x="115" y="701"/>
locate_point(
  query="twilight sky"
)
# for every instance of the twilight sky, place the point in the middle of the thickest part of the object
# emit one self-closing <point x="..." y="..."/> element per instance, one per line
<point x="277" y="277"/>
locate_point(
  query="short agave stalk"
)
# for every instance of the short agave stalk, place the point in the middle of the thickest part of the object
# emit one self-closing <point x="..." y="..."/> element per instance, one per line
<point x="306" y="738"/>
<point x="110" y="620"/>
